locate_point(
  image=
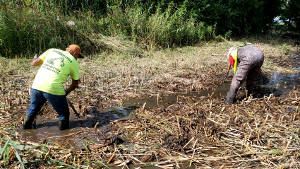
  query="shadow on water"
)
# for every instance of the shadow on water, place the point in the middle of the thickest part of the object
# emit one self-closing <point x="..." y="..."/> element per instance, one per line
<point x="47" y="129"/>
<point x="101" y="118"/>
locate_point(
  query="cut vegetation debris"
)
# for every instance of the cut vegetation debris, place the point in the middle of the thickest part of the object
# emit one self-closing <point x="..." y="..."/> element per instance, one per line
<point x="196" y="131"/>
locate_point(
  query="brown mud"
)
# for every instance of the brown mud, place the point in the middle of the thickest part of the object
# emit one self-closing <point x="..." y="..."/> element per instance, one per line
<point x="174" y="122"/>
<point x="195" y="128"/>
<point x="289" y="60"/>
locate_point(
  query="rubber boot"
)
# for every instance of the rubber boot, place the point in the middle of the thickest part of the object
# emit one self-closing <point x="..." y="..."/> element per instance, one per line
<point x="230" y="97"/>
<point x="28" y="122"/>
<point x="63" y="124"/>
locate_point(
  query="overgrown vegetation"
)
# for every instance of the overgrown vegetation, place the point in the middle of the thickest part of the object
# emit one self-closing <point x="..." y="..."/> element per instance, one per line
<point x="33" y="26"/>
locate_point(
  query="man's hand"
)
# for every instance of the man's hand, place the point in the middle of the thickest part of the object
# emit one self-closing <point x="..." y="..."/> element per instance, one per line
<point x="72" y="87"/>
<point x="36" y="60"/>
<point x="67" y="92"/>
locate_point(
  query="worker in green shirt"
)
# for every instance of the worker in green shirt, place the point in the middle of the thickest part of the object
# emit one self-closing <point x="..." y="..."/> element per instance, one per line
<point x="57" y="66"/>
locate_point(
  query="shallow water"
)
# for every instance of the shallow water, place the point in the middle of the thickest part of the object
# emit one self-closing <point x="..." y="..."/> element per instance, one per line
<point x="285" y="82"/>
<point x="80" y="128"/>
<point x="276" y="84"/>
<point x="47" y="129"/>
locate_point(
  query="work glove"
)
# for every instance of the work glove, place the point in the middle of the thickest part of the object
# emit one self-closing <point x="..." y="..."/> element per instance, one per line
<point x="230" y="97"/>
<point x="67" y="92"/>
<point x="35" y="56"/>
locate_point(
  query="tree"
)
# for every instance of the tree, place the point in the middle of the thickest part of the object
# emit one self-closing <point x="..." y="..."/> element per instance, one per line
<point x="291" y="14"/>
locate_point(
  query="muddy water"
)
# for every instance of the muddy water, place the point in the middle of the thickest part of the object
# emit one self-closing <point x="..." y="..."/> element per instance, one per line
<point x="83" y="129"/>
<point x="277" y="84"/>
<point x="160" y="100"/>
<point x="283" y="82"/>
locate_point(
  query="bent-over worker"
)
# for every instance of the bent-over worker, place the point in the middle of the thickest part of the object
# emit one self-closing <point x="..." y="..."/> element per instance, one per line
<point x="56" y="67"/>
<point x="246" y="61"/>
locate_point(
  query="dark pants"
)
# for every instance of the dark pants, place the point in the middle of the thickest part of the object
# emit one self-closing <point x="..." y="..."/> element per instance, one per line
<point x="59" y="103"/>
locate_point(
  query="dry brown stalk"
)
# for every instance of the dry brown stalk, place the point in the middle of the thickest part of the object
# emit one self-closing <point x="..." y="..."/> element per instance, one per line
<point x="71" y="134"/>
<point x="227" y="157"/>
<point x="188" y="142"/>
<point x="288" y="144"/>
<point x="111" y="158"/>
<point x="45" y="157"/>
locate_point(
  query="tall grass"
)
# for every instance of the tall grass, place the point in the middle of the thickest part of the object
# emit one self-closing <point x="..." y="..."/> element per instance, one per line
<point x="26" y="29"/>
<point x="29" y="27"/>
<point x="164" y="28"/>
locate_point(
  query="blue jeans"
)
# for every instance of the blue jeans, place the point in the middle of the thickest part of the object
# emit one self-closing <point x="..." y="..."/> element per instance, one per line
<point x="59" y="103"/>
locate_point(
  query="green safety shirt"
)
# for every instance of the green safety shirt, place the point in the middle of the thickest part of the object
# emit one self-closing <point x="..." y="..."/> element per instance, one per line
<point x="56" y="68"/>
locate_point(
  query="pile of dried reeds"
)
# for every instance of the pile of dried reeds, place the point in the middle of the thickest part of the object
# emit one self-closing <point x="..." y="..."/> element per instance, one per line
<point x="255" y="132"/>
<point x="203" y="132"/>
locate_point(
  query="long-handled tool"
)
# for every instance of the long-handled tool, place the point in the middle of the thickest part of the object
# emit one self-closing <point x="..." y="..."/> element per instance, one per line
<point x="73" y="108"/>
<point x="70" y="104"/>
<point x="227" y="73"/>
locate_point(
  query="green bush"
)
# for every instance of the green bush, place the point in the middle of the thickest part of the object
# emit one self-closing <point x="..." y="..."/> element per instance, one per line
<point x="26" y="29"/>
<point x="32" y="26"/>
<point x="291" y="15"/>
<point x="164" y="28"/>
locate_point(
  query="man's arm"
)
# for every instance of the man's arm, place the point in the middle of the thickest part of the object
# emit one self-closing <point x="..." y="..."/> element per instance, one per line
<point x="36" y="62"/>
<point x="73" y="86"/>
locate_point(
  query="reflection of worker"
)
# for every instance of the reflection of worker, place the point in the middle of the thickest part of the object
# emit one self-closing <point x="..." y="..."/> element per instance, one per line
<point x="246" y="61"/>
<point x="56" y="67"/>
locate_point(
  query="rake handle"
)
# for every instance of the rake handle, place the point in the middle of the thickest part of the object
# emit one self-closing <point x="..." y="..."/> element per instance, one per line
<point x="227" y="71"/>
<point x="73" y="108"/>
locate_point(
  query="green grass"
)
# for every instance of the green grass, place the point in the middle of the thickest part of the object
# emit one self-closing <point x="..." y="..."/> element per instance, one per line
<point x="12" y="147"/>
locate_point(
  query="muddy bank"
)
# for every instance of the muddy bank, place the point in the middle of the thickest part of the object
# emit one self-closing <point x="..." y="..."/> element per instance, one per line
<point x="193" y="129"/>
<point x="184" y="119"/>
<point x="203" y="132"/>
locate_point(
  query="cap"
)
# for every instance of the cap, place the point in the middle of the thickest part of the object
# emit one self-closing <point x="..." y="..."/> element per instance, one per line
<point x="76" y="48"/>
